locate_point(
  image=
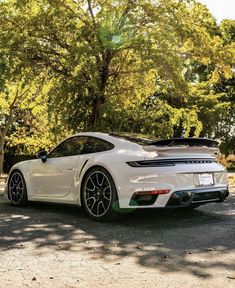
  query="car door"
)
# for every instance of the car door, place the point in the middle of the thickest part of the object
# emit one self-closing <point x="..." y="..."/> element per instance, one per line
<point x="55" y="177"/>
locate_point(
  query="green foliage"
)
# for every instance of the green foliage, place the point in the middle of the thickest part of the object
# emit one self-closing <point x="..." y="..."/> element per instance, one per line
<point x="158" y="67"/>
<point x="227" y="29"/>
<point x="22" y="113"/>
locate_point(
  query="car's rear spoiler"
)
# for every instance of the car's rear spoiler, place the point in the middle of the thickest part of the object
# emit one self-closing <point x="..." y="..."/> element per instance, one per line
<point x="192" y="142"/>
<point x="182" y="147"/>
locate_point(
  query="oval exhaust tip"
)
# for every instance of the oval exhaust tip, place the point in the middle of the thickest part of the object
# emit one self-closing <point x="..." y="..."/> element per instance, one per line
<point x="226" y="193"/>
<point x="185" y="198"/>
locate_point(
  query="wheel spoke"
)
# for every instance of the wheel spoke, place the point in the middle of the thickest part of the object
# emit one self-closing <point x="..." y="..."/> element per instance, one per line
<point x="16" y="178"/>
<point x="92" y="197"/>
<point x="94" y="180"/>
<point x="90" y="189"/>
<point x="97" y="178"/>
<point x="103" y="205"/>
<point x="98" y="207"/>
<point x="100" y="179"/>
<point x="92" y="184"/>
<point x="97" y="211"/>
<point x="20" y="185"/>
<point x="105" y="192"/>
<point x="93" y="205"/>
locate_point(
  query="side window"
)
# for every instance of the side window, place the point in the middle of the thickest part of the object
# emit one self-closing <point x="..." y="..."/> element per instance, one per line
<point x="70" y="147"/>
<point x="94" y="145"/>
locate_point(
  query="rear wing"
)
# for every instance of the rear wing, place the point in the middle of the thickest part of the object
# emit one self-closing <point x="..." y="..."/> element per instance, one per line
<point x="189" y="142"/>
<point x="180" y="147"/>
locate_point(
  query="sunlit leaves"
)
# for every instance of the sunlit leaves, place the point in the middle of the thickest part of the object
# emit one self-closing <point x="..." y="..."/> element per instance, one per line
<point x="159" y="67"/>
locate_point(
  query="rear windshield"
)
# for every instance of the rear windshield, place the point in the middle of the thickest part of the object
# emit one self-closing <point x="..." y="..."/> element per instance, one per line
<point x="140" y="139"/>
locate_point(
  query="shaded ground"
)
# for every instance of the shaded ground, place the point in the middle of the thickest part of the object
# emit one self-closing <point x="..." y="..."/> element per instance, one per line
<point x="58" y="246"/>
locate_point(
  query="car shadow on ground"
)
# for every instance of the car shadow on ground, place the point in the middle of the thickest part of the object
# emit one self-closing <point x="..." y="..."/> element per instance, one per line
<point x="167" y="240"/>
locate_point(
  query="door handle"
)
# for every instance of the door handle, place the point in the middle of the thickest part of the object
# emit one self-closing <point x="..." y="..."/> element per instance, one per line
<point x="69" y="168"/>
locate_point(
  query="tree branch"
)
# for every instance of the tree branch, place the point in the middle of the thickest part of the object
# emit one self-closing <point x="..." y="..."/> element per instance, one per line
<point x="90" y="10"/>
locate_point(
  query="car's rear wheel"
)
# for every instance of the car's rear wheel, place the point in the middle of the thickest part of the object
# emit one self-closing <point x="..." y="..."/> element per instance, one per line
<point x="17" y="191"/>
<point x="99" y="195"/>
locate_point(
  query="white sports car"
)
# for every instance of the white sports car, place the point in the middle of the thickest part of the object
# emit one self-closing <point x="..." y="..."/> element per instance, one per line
<point x="106" y="173"/>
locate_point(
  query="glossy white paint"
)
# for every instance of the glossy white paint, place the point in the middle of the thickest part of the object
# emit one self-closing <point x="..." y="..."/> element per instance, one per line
<point x="59" y="179"/>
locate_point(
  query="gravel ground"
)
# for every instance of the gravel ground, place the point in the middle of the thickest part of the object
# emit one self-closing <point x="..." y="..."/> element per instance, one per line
<point x="46" y="245"/>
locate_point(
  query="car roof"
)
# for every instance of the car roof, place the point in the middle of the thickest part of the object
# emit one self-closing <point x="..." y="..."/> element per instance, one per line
<point x="124" y="139"/>
<point x="115" y="139"/>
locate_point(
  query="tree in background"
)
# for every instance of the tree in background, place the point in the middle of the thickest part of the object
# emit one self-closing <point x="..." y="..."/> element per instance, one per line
<point x="214" y="91"/>
<point x="23" y="113"/>
<point x="155" y="67"/>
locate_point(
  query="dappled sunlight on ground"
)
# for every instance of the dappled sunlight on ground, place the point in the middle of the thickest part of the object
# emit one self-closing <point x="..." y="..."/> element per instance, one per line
<point x="173" y="246"/>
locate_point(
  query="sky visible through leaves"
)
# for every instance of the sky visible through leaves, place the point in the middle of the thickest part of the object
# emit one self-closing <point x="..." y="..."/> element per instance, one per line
<point x="221" y="9"/>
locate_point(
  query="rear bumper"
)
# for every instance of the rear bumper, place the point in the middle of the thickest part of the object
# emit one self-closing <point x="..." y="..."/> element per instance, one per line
<point x="175" y="178"/>
<point x="196" y="197"/>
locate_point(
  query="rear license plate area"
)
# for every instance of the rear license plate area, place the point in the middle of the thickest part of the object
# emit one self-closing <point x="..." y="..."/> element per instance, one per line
<point x="205" y="179"/>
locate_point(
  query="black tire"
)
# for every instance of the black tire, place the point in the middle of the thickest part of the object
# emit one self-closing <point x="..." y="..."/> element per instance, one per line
<point x="17" y="191"/>
<point x="99" y="195"/>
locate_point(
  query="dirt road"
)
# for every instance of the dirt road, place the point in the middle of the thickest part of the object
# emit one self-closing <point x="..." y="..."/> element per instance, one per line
<point x="58" y="246"/>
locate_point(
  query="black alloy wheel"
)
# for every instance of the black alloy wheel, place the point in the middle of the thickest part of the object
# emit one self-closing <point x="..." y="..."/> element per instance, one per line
<point x="17" y="191"/>
<point x="99" y="195"/>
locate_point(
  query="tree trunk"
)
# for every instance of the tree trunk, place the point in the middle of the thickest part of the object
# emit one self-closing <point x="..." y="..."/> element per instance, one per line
<point x="4" y="131"/>
<point x="95" y="115"/>
<point x="1" y="156"/>
<point x="103" y="64"/>
<point x="3" y="135"/>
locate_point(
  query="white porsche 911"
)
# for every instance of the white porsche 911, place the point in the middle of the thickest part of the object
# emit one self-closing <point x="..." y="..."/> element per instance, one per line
<point x="106" y="173"/>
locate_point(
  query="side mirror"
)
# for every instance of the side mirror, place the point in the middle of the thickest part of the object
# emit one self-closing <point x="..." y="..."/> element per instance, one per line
<point x="42" y="155"/>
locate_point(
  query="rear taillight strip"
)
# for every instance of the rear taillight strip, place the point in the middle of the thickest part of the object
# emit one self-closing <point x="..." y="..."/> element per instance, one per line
<point x="170" y="162"/>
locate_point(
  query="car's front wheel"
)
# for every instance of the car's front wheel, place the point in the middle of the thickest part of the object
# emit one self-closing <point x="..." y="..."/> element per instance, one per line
<point x="17" y="191"/>
<point x="99" y="195"/>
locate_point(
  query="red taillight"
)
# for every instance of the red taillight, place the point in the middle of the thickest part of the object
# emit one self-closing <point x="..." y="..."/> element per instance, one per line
<point x="154" y="192"/>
